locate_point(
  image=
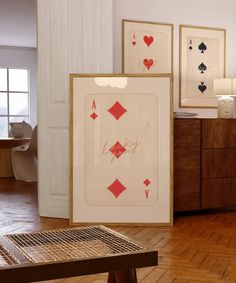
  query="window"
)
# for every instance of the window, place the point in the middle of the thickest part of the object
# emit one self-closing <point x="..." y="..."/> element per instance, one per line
<point x="14" y="98"/>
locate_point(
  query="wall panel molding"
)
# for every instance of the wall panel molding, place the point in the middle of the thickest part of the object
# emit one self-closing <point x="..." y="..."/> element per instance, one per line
<point x="74" y="36"/>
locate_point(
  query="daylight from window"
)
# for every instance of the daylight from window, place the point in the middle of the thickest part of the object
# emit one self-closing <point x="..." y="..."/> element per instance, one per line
<point x="14" y="98"/>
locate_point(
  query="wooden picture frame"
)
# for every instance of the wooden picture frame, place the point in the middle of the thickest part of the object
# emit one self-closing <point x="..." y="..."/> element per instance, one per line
<point x="147" y="47"/>
<point x="121" y="149"/>
<point x="202" y="59"/>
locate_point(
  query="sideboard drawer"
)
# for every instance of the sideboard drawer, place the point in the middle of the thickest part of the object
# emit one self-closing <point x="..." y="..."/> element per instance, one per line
<point x="218" y="193"/>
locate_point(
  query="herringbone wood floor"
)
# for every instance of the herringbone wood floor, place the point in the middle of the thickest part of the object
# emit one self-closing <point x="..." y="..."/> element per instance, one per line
<point x="199" y="248"/>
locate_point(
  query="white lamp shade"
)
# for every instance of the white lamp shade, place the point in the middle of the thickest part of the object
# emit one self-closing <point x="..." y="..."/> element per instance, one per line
<point x="223" y="87"/>
<point x="234" y="87"/>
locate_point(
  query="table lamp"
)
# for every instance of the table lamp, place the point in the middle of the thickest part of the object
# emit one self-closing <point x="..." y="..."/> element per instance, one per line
<point x="223" y="88"/>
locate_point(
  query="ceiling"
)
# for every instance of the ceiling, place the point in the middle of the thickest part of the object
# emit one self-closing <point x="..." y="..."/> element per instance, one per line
<point x="18" y="23"/>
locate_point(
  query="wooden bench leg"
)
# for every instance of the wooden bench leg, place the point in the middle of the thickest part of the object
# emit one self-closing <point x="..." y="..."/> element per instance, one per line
<point x="123" y="276"/>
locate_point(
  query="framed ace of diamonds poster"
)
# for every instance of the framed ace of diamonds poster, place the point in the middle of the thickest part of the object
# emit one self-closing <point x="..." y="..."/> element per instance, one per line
<point x="121" y="149"/>
<point x="147" y="47"/>
<point x="202" y="59"/>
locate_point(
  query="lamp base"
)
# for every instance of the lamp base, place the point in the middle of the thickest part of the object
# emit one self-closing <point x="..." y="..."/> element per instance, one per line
<point x="234" y="98"/>
<point x="225" y="107"/>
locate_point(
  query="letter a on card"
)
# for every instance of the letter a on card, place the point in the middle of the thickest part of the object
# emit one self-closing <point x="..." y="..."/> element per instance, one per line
<point x="94" y="105"/>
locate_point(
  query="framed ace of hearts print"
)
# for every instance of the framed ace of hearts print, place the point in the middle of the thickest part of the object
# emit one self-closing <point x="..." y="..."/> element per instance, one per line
<point x="147" y="47"/>
<point x="121" y="149"/>
<point x="202" y="59"/>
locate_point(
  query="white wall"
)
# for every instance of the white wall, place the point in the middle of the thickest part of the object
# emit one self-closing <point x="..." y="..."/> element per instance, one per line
<point x="209" y="13"/>
<point x="19" y="57"/>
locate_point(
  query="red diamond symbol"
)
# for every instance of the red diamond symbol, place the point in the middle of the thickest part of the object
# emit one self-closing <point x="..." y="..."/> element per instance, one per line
<point x="94" y="115"/>
<point x="146" y="182"/>
<point x="117" y="149"/>
<point x="117" y="110"/>
<point x="116" y="188"/>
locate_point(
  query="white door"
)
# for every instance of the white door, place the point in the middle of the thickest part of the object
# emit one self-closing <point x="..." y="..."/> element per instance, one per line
<point x="74" y="36"/>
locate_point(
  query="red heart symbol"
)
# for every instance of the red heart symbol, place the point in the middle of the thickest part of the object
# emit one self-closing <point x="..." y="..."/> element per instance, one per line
<point x="133" y="42"/>
<point x="148" y="63"/>
<point x="148" y="40"/>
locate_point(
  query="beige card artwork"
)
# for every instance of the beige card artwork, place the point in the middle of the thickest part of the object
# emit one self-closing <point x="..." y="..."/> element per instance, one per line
<point x="147" y="47"/>
<point x="148" y="52"/>
<point x="202" y="66"/>
<point x="202" y="59"/>
<point x="121" y="150"/>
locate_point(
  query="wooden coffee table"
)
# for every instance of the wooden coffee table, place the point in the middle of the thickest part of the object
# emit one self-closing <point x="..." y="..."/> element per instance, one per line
<point x="54" y="254"/>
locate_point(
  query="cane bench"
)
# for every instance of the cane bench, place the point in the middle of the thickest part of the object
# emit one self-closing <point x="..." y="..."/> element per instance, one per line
<point x="54" y="254"/>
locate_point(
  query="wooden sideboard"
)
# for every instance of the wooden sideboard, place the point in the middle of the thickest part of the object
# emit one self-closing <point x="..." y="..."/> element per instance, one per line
<point x="204" y="163"/>
<point x="5" y="154"/>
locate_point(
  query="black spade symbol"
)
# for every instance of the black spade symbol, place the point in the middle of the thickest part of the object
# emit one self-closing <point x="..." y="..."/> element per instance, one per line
<point x="190" y="48"/>
<point x="202" y="67"/>
<point x="202" y="47"/>
<point x="202" y="87"/>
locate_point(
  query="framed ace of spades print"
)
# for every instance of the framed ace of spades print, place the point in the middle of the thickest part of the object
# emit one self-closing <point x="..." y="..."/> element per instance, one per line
<point x="147" y="47"/>
<point x="121" y="149"/>
<point x="202" y="59"/>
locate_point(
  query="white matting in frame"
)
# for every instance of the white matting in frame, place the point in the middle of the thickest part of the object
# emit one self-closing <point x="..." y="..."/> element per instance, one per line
<point x="121" y="149"/>
<point x="202" y="59"/>
<point x="147" y="47"/>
